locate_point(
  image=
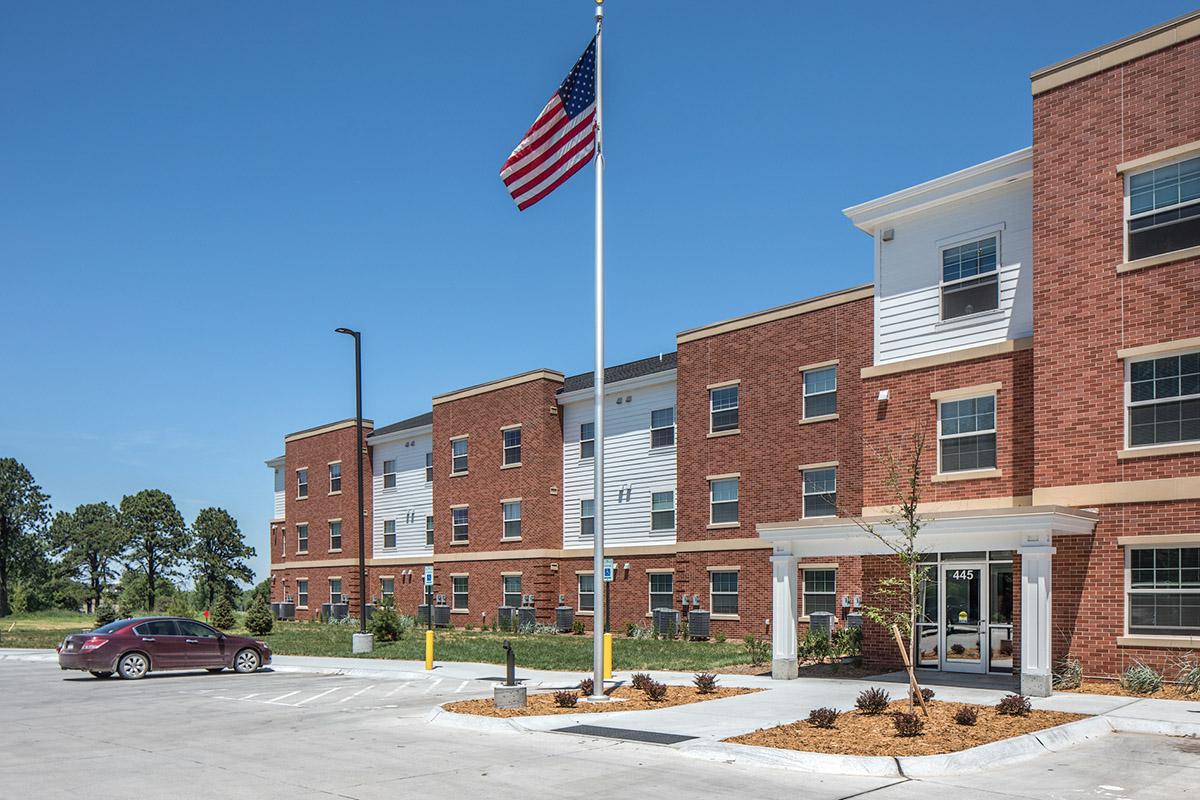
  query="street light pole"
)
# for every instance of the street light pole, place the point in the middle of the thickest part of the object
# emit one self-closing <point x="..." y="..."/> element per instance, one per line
<point x="362" y="639"/>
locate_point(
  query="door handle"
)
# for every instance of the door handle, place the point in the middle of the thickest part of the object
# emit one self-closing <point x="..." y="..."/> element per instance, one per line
<point x="192" y="641"/>
<point x="149" y="639"/>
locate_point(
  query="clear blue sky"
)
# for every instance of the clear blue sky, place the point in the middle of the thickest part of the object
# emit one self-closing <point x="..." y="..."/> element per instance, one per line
<point x="194" y="195"/>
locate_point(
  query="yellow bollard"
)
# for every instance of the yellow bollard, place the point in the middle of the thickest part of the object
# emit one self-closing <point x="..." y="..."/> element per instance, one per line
<point x="607" y="656"/>
<point x="428" y="649"/>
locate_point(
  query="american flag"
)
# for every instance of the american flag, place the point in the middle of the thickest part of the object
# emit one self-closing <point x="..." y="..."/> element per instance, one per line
<point x="561" y="140"/>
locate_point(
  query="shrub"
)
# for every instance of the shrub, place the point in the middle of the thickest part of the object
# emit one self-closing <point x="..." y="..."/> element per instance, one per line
<point x="908" y="724"/>
<point x="872" y="701"/>
<point x="823" y="717"/>
<point x="848" y="642"/>
<point x="640" y="632"/>
<point x="222" y="614"/>
<point x="656" y="691"/>
<point x="966" y="715"/>
<point x="1141" y="679"/>
<point x="719" y="638"/>
<point x="105" y="614"/>
<point x="1188" y="675"/>
<point x="926" y="695"/>
<point x="640" y="680"/>
<point x="758" y="650"/>
<point x="577" y="627"/>
<point x="957" y="649"/>
<point x="258" y="619"/>
<point x="815" y="646"/>
<point x="706" y="682"/>
<point x="565" y="699"/>
<point x="179" y="606"/>
<point x="385" y="622"/>
<point x="586" y="687"/>
<point x="1068" y="674"/>
<point x="1014" y="705"/>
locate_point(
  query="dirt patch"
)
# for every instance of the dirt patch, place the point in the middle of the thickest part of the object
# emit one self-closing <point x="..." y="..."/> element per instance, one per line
<point x="1169" y="691"/>
<point x="633" y="700"/>
<point x="857" y="734"/>
<point x="809" y="670"/>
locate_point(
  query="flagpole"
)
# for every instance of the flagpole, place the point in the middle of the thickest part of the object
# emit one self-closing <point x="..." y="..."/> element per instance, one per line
<point x="599" y="616"/>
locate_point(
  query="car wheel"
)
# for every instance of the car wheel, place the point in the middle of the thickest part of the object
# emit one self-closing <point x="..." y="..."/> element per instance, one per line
<point x="97" y="673"/>
<point x="246" y="661"/>
<point x="133" y="666"/>
<point x="215" y="670"/>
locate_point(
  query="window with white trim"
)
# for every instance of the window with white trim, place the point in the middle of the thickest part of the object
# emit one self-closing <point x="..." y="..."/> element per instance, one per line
<point x="723" y="500"/>
<point x="389" y="473"/>
<point x="1163" y="398"/>
<point x="428" y="467"/>
<point x="458" y="456"/>
<point x="302" y="538"/>
<point x="970" y="278"/>
<point x="335" y="590"/>
<point x="387" y="589"/>
<point x="459" y="524"/>
<point x="389" y="533"/>
<point x="512" y="590"/>
<point x="335" y="535"/>
<point x="335" y="478"/>
<point x="302" y="592"/>
<point x="301" y="484"/>
<point x="820" y="492"/>
<point x="459" y="593"/>
<point x="587" y="440"/>
<point x="723" y="591"/>
<point x="512" y="447"/>
<point x="587" y="592"/>
<point x="1163" y="586"/>
<point x="587" y="517"/>
<point x="820" y="392"/>
<point x="723" y="409"/>
<point x="662" y="590"/>
<point x="967" y="434"/>
<point x="820" y="591"/>
<point x="662" y="427"/>
<point x="512" y="520"/>
<point x="662" y="511"/>
<point x="429" y="531"/>
<point x="1162" y="209"/>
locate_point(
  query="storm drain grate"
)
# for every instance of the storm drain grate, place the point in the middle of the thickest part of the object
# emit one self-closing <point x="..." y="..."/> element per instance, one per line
<point x="651" y="737"/>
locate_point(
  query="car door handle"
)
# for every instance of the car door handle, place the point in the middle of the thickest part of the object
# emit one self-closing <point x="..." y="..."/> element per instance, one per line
<point x="192" y="641"/>
<point x="148" y="639"/>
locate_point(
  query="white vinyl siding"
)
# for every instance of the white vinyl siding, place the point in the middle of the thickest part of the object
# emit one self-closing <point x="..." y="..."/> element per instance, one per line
<point x="280" y="494"/>
<point x="407" y="502"/>
<point x="633" y="469"/>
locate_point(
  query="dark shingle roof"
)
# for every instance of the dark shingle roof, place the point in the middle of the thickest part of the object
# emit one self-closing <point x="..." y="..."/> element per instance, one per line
<point x="404" y="424"/>
<point x="622" y="372"/>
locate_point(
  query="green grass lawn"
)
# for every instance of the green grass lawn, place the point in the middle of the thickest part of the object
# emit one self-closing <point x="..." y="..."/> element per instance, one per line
<point x="534" y="651"/>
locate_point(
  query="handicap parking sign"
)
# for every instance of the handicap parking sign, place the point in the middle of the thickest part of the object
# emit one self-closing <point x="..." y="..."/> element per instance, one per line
<point x="609" y="567"/>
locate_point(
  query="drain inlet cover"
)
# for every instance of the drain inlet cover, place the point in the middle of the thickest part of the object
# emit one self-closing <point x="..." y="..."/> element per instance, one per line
<point x="652" y="737"/>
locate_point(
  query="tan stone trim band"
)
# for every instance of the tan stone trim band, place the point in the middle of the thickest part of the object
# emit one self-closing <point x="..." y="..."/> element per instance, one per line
<point x="1192" y="343"/>
<point x="333" y="426"/>
<point x="660" y="570"/>
<point x="819" y="565"/>
<point x="1098" y="494"/>
<point x="1158" y="538"/>
<point x="397" y="561"/>
<point x="1165" y="155"/>
<point x="1158" y="450"/>
<point x="511" y="574"/>
<point x="818" y="465"/>
<point x="725" y="476"/>
<point x="966" y="391"/>
<point x="1162" y="258"/>
<point x="818" y="365"/>
<point x="502" y="383"/>
<point x="723" y="384"/>
<point x="969" y="475"/>
<point x="1182" y="642"/>
<point x="730" y="568"/>
<point x="822" y="418"/>
<point x="977" y="504"/>
<point x="953" y="357"/>
<point x="512" y="427"/>
<point x="781" y="312"/>
<point x="699" y="546"/>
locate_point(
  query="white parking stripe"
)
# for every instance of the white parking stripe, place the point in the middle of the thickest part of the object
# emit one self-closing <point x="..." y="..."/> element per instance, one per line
<point x="318" y="695"/>
<point x="432" y="687"/>
<point x="356" y="694"/>
<point x="252" y="694"/>
<point x="461" y="686"/>
<point x="393" y="691"/>
<point x="277" y="699"/>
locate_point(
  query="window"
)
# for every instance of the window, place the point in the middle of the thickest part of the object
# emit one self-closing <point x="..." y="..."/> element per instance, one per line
<point x="429" y="531"/>
<point x="662" y="590"/>
<point x="389" y="533"/>
<point x="301" y="484"/>
<point x="335" y="478"/>
<point x="662" y="427"/>
<point x="429" y="467"/>
<point x="1163" y="209"/>
<point x="158" y="627"/>
<point x="724" y="592"/>
<point x="1164" y="400"/>
<point x="820" y="492"/>
<point x="301" y="539"/>
<point x="459" y="519"/>
<point x="587" y="517"/>
<point x="335" y="590"/>
<point x="724" y="500"/>
<point x="335" y="535"/>
<point x="512" y="519"/>
<point x="587" y="592"/>
<point x="389" y="474"/>
<point x="662" y="511"/>
<point x="587" y="440"/>
<point x="188" y="627"/>
<point x="512" y="447"/>
<point x="387" y="589"/>
<point x="1164" y="591"/>
<point x="459" y="593"/>
<point x="970" y="280"/>
<point x="967" y="434"/>
<point x="820" y="392"/>
<point x="302" y="592"/>
<point x="512" y="590"/>
<point x="723" y="406"/>
<point x="458" y="456"/>
<point x="820" y="590"/>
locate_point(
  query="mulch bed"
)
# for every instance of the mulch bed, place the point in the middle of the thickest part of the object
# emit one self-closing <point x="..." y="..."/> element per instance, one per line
<point x="809" y="670"/>
<point x="633" y="700"/>
<point x="1169" y="691"/>
<point x="857" y="734"/>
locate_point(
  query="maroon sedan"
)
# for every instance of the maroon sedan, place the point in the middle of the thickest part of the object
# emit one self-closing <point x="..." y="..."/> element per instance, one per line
<point x="133" y="647"/>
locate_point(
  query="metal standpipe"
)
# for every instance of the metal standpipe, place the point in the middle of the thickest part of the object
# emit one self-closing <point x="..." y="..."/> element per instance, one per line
<point x="510" y="695"/>
<point x="510" y="664"/>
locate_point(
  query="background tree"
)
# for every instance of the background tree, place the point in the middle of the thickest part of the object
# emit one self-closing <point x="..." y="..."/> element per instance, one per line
<point x="89" y="541"/>
<point x="24" y="512"/>
<point x="258" y="618"/>
<point x="132" y="592"/>
<point x="158" y="541"/>
<point x="261" y="589"/>
<point x="222" y="615"/>
<point x="218" y="556"/>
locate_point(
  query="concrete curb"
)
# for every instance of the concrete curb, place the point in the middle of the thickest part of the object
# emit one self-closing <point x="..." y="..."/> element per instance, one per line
<point x="1155" y="726"/>
<point x="800" y="760"/>
<point x="440" y="716"/>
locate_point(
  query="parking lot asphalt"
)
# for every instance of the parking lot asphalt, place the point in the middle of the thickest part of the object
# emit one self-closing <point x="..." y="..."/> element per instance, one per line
<point x="298" y="735"/>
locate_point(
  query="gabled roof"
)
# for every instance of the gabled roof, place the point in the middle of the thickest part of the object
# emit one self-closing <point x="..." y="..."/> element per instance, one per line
<point x="662" y="362"/>
<point x="419" y="421"/>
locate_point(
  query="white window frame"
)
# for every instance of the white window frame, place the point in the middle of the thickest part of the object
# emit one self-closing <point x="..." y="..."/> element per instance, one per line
<point x="505" y="505"/>
<point x="504" y="592"/>
<point x="712" y="593"/>
<point x="303" y="526"/>
<point x="465" y="456"/>
<point x="650" y="593"/>
<point x="455" y="593"/>
<point x="302" y="593"/>
<point x="583" y="516"/>
<point x="1130" y="404"/>
<point x="506" y="448"/>
<point x="383" y="593"/>
<point x="591" y="439"/>
<point x="341" y="596"/>
<point x="804" y="593"/>
<point x="338" y="477"/>
<point x="992" y="430"/>
<point x="338" y="523"/>
<point x="429" y="530"/>
<point x="806" y="493"/>
<point x="712" y="504"/>
<point x="1129" y="587"/>
<point x="670" y="427"/>
<point x="579" y="592"/>
<point x="1125" y="205"/>
<point x="737" y="406"/>
<point x="429" y="466"/>
<point x="455" y="525"/>
<point x="302" y="483"/>
<point x="958" y="241"/>
<point x="806" y="394"/>
<point x="672" y="510"/>
<point x="386" y="533"/>
<point x="389" y="473"/>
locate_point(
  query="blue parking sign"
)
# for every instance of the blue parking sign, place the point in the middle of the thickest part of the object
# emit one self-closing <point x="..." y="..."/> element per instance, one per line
<point x="609" y="568"/>
<point x="429" y="576"/>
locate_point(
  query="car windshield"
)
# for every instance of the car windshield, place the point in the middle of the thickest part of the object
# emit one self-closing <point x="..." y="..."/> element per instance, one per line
<point x="113" y="627"/>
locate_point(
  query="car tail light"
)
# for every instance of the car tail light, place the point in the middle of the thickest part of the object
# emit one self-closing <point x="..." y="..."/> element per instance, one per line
<point x="94" y="643"/>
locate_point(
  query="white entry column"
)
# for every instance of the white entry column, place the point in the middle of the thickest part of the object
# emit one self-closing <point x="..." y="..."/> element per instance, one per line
<point x="784" y="617"/>
<point x="1036" y="674"/>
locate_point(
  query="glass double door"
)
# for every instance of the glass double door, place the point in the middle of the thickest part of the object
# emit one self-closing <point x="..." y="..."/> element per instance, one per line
<point x="976" y="615"/>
